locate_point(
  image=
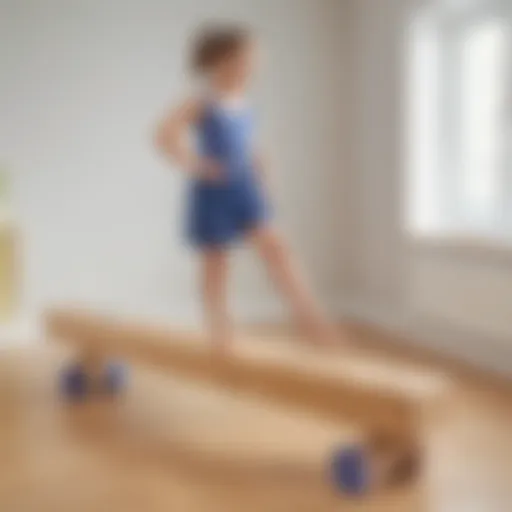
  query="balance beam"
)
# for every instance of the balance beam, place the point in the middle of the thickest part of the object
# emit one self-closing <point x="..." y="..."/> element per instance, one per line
<point x="341" y="387"/>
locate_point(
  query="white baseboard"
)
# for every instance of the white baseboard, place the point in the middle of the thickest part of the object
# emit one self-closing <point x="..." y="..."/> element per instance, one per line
<point x="27" y="329"/>
<point x="483" y="353"/>
<point x="486" y="353"/>
<point x="187" y="313"/>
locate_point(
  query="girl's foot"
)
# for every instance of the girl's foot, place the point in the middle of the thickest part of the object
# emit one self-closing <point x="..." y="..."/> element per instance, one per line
<point x="321" y="333"/>
<point x="222" y="347"/>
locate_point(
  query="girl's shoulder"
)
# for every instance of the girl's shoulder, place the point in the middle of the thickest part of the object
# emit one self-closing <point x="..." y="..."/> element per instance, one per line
<point x="217" y="111"/>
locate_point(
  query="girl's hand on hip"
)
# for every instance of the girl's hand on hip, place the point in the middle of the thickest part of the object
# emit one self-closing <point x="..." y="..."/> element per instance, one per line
<point x="211" y="170"/>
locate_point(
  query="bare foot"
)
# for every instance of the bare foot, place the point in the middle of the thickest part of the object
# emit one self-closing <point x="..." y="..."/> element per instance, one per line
<point x="320" y="333"/>
<point x="222" y="347"/>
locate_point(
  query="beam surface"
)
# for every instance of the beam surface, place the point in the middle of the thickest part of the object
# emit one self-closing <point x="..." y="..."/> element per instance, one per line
<point x="338" y="386"/>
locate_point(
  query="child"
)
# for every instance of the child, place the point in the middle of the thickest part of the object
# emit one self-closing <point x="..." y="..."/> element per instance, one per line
<point x="228" y="200"/>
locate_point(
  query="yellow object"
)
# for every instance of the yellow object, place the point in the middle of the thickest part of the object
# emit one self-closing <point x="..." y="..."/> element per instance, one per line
<point x="8" y="271"/>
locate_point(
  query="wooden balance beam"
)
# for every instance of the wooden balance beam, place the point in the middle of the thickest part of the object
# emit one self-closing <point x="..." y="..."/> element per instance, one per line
<point x="385" y="398"/>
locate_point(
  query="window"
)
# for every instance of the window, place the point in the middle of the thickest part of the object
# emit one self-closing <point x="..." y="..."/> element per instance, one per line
<point x="459" y="131"/>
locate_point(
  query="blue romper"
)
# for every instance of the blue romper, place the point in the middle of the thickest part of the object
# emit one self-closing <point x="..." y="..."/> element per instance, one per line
<point x="221" y="212"/>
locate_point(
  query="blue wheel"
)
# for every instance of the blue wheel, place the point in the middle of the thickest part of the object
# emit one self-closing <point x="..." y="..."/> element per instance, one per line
<point x="350" y="471"/>
<point x="74" y="383"/>
<point x="77" y="385"/>
<point x="114" y="379"/>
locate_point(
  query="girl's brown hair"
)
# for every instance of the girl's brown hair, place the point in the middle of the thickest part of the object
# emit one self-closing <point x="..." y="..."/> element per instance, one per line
<point x="213" y="44"/>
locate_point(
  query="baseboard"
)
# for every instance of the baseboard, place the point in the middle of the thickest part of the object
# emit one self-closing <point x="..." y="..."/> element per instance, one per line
<point x="485" y="353"/>
<point x="245" y="310"/>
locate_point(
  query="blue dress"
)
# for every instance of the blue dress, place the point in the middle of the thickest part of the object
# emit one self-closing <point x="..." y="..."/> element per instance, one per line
<point x="222" y="212"/>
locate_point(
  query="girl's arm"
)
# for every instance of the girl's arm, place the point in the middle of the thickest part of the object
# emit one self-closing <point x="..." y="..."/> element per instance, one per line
<point x="172" y="135"/>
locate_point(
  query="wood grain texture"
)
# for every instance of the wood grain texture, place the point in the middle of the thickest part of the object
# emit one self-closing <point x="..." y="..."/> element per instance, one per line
<point x="166" y="446"/>
<point x="188" y="447"/>
<point x="10" y="259"/>
<point x="338" y="386"/>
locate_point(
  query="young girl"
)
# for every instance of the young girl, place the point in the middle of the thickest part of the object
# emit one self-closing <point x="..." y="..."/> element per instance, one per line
<point x="228" y="199"/>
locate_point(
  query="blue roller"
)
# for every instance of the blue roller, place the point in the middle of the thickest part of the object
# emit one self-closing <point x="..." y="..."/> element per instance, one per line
<point x="350" y="470"/>
<point x="114" y="378"/>
<point x="77" y="385"/>
<point x="74" y="382"/>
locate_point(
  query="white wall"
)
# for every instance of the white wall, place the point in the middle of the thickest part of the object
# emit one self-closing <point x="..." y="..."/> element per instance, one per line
<point x="465" y="285"/>
<point x="375" y="207"/>
<point x="83" y="83"/>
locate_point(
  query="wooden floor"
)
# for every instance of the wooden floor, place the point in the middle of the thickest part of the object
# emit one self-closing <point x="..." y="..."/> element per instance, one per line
<point x="173" y="446"/>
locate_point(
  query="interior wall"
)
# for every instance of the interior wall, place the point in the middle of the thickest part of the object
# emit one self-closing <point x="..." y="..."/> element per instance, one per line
<point x="442" y="294"/>
<point x="465" y="285"/>
<point x="377" y="247"/>
<point x="83" y="84"/>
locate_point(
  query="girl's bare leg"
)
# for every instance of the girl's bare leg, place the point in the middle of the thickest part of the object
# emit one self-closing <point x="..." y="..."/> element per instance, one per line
<point x="287" y="275"/>
<point x="214" y="291"/>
